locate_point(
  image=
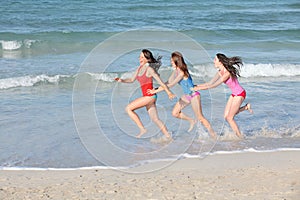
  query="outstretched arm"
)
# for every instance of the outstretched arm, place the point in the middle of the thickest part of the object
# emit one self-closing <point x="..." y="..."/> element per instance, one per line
<point x="128" y="80"/>
<point x="217" y="80"/>
<point x="162" y="84"/>
<point x="171" y="82"/>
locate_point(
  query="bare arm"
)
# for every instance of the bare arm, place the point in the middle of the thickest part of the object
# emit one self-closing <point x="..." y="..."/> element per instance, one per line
<point x="214" y="79"/>
<point x="217" y="80"/>
<point x="151" y="72"/>
<point x="128" y="80"/>
<point x="175" y="80"/>
<point x="171" y="82"/>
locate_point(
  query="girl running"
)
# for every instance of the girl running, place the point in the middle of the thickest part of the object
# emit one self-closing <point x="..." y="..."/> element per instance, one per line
<point x="228" y="73"/>
<point x="182" y="76"/>
<point x="145" y="74"/>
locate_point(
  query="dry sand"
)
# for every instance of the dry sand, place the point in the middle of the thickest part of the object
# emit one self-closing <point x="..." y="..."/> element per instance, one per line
<point x="272" y="175"/>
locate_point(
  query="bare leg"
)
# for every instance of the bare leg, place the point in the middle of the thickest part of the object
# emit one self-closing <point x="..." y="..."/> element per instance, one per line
<point x="177" y="112"/>
<point x="197" y="108"/>
<point x="136" y="104"/>
<point x="142" y="132"/>
<point x="232" y="109"/>
<point x="152" y="111"/>
<point x="246" y="107"/>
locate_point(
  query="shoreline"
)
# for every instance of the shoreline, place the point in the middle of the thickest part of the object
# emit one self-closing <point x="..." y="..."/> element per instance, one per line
<point x="148" y="162"/>
<point x="250" y="175"/>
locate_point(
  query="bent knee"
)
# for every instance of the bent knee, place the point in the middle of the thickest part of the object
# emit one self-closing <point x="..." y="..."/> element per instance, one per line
<point x="175" y="114"/>
<point x="202" y="120"/>
<point x="128" y="109"/>
<point x="156" y="120"/>
<point x="228" y="118"/>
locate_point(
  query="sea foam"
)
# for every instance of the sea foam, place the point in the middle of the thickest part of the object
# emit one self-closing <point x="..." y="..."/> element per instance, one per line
<point x="28" y="81"/>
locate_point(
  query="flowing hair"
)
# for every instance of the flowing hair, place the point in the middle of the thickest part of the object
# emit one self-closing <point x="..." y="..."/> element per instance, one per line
<point x="232" y="64"/>
<point x="179" y="62"/>
<point x="155" y="63"/>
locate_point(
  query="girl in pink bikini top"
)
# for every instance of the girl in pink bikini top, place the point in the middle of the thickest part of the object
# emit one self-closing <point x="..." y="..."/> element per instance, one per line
<point x="228" y="74"/>
<point x="234" y="85"/>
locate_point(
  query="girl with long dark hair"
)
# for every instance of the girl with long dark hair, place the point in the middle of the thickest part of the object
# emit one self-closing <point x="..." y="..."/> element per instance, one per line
<point x="145" y="74"/>
<point x="228" y="73"/>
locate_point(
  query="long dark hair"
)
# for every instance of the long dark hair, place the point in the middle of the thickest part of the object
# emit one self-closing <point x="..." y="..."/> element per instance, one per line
<point x="155" y="63"/>
<point x="232" y="64"/>
<point x="179" y="62"/>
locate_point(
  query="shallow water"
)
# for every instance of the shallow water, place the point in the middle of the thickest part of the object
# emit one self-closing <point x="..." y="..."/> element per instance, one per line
<point x="43" y="46"/>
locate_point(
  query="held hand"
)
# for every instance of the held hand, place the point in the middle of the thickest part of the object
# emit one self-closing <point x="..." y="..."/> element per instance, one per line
<point x="118" y="79"/>
<point x="196" y="87"/>
<point x="151" y="91"/>
<point x="171" y="95"/>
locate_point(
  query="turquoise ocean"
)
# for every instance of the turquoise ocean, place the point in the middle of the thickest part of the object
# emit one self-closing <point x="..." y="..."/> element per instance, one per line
<point x="43" y="45"/>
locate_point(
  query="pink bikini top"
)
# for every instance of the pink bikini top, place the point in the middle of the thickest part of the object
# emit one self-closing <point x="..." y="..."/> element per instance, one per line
<point x="234" y="85"/>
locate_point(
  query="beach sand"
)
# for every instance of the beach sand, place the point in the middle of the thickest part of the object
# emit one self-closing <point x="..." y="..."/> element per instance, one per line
<point x="270" y="175"/>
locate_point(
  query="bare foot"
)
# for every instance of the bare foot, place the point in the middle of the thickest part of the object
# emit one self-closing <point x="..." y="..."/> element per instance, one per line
<point x="248" y="107"/>
<point x="192" y="123"/>
<point x="169" y="135"/>
<point x="142" y="132"/>
<point x="213" y="135"/>
<point x="167" y="138"/>
<point x="163" y="139"/>
<point x="240" y="136"/>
